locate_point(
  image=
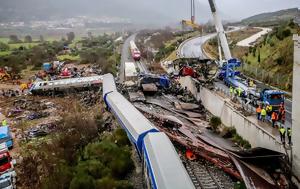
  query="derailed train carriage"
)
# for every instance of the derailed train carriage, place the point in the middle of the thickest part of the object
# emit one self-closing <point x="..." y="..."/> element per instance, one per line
<point x="66" y="85"/>
<point x="162" y="166"/>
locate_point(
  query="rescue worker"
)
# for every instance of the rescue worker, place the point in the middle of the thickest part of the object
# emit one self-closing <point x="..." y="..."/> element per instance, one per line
<point x="4" y="122"/>
<point x="251" y="83"/>
<point x="280" y="111"/>
<point x="289" y="134"/>
<point x="258" y="111"/>
<point x="239" y="91"/>
<point x="263" y="114"/>
<point x="282" y="134"/>
<point x="231" y="91"/>
<point x="269" y="111"/>
<point x="274" y="118"/>
<point x="283" y="116"/>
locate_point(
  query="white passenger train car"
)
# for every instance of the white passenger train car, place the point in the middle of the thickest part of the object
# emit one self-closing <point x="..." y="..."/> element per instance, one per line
<point x="163" y="169"/>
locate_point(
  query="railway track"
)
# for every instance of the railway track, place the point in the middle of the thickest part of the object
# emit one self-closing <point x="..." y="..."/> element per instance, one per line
<point x="206" y="176"/>
<point x="141" y="66"/>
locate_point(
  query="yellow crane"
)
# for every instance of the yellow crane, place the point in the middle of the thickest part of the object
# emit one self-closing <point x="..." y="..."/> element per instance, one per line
<point x="191" y="23"/>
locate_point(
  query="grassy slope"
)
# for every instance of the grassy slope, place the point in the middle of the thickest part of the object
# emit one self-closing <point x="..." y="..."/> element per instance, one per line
<point x="211" y="46"/>
<point x="273" y="17"/>
<point x="276" y="58"/>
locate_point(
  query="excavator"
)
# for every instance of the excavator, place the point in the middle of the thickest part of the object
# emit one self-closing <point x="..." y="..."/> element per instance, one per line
<point x="191" y="23"/>
<point x="6" y="74"/>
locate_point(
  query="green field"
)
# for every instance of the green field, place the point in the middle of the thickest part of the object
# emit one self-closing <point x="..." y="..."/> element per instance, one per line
<point x="3" y="53"/>
<point x="68" y="57"/>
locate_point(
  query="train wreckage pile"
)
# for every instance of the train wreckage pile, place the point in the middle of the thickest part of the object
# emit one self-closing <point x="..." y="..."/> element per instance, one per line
<point x="175" y="111"/>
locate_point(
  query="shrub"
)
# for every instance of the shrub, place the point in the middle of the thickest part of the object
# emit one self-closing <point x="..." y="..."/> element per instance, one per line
<point x="82" y="181"/>
<point x="215" y="122"/>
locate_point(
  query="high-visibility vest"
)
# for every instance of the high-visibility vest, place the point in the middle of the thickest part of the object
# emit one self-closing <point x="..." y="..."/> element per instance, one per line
<point x="258" y="109"/>
<point x="282" y="131"/>
<point x="4" y="122"/>
<point x="251" y="83"/>
<point x="289" y="133"/>
<point x="274" y="116"/>
<point x="240" y="91"/>
<point x="263" y="112"/>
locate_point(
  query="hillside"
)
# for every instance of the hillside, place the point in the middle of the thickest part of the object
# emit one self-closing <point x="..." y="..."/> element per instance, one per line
<point x="272" y="18"/>
<point x="272" y="59"/>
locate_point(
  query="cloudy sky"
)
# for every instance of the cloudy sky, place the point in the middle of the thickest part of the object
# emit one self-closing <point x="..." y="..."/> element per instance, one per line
<point x="142" y="11"/>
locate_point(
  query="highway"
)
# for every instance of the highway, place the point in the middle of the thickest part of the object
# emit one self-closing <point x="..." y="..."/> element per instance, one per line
<point x="250" y="40"/>
<point x="192" y="48"/>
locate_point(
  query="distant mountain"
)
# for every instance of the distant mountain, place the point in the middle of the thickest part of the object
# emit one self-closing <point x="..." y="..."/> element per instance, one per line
<point x="272" y="18"/>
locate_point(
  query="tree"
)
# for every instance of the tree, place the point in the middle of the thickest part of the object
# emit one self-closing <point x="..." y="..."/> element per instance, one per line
<point x="82" y="181"/>
<point x="4" y="46"/>
<point x="14" y="39"/>
<point x="70" y="36"/>
<point x="28" y="39"/>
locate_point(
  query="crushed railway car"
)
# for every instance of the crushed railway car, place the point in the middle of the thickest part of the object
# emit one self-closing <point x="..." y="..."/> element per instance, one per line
<point x="162" y="166"/>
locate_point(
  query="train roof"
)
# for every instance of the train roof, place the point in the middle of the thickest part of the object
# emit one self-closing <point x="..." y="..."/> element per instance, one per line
<point x="134" y="122"/>
<point x="64" y="82"/>
<point x="166" y="169"/>
<point x="274" y="92"/>
<point x="109" y="84"/>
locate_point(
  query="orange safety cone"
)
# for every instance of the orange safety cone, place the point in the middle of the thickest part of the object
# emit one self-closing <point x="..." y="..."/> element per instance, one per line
<point x="190" y="155"/>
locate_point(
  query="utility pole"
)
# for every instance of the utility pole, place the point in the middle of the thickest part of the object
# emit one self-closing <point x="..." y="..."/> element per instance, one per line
<point x="296" y="107"/>
<point x="193" y="12"/>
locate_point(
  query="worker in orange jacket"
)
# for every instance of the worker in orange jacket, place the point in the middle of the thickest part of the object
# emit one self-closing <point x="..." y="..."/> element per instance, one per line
<point x="258" y="111"/>
<point x="274" y="118"/>
<point x="283" y="116"/>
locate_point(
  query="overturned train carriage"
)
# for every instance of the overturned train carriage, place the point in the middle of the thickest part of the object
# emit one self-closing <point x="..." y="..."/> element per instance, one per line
<point x="162" y="166"/>
<point x="66" y="85"/>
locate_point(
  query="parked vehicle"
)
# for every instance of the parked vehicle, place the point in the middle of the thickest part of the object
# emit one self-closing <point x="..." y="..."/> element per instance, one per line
<point x="6" y="163"/>
<point x="5" y="136"/>
<point x="8" y="180"/>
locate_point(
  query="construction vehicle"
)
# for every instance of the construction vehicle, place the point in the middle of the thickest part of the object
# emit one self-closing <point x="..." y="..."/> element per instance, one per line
<point x="54" y="67"/>
<point x="230" y="75"/>
<point x="7" y="74"/>
<point x="191" y="23"/>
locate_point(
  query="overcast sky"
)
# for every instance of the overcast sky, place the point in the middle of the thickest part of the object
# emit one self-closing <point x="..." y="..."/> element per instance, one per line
<point x="142" y="11"/>
<point x="238" y="9"/>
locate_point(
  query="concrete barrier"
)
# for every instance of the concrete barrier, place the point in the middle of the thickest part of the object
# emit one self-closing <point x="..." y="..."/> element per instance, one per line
<point x="230" y="117"/>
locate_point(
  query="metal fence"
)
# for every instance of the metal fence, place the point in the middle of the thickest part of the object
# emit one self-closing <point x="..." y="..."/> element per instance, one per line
<point x="277" y="80"/>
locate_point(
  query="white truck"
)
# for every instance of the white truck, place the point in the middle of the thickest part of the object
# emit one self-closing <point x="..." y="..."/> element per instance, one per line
<point x="131" y="73"/>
